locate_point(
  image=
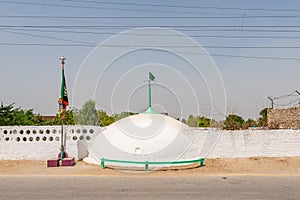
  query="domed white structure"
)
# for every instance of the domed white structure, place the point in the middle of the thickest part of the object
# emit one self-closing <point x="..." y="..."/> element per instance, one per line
<point x="142" y="137"/>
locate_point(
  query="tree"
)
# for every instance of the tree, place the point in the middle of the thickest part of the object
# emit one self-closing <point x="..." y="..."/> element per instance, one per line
<point x="250" y="123"/>
<point x="233" y="122"/>
<point x="263" y="119"/>
<point x="122" y="115"/>
<point x="68" y="119"/>
<point x="86" y="115"/>
<point x="192" y="121"/>
<point x="104" y="119"/>
<point x="6" y="115"/>
<point x="10" y="116"/>
<point x="197" y="121"/>
<point x="203" y="122"/>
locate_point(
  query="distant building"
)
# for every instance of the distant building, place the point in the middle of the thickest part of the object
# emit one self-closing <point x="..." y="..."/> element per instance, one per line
<point x="48" y="118"/>
<point x="284" y="118"/>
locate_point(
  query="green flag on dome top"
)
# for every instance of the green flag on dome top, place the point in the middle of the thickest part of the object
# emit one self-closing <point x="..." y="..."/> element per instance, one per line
<point x="151" y="76"/>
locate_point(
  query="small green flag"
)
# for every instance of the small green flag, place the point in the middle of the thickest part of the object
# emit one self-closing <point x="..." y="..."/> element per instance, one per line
<point x="151" y="77"/>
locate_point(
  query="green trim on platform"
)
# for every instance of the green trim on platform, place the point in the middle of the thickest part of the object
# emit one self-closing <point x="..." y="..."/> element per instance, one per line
<point x="147" y="163"/>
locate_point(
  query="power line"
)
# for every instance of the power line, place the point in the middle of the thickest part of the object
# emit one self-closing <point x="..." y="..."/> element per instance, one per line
<point x="155" y="46"/>
<point x="147" y="17"/>
<point x="47" y="37"/>
<point x="215" y="28"/>
<point x="159" y="26"/>
<point x="146" y="10"/>
<point x="161" y="35"/>
<point x="216" y="55"/>
<point x="184" y="6"/>
<point x="93" y="7"/>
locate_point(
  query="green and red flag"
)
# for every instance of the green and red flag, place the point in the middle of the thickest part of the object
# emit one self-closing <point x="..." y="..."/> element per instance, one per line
<point x="63" y="98"/>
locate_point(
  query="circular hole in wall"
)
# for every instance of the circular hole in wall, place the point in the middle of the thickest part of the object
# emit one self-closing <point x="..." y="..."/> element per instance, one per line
<point x="84" y="131"/>
<point x="28" y="131"/>
<point x="18" y="139"/>
<point x="5" y="131"/>
<point x="54" y="131"/>
<point x="44" y="138"/>
<point x="47" y="131"/>
<point x="41" y="131"/>
<point x="78" y="131"/>
<point x="51" y="138"/>
<point x="74" y="137"/>
<point x="21" y="132"/>
<point x="24" y="139"/>
<point x="57" y="138"/>
<point x="37" y="138"/>
<point x="30" y="139"/>
<point x="34" y="131"/>
<point x="88" y="137"/>
<point x="91" y="131"/>
<point x="81" y="137"/>
<point x="15" y="131"/>
<point x="71" y="130"/>
<point x="7" y="139"/>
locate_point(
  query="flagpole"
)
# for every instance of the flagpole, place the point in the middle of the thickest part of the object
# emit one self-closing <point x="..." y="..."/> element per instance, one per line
<point x="149" y="95"/>
<point x="62" y="115"/>
<point x="149" y="109"/>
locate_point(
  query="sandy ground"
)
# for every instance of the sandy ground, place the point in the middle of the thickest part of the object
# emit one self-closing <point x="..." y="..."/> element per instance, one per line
<point x="233" y="166"/>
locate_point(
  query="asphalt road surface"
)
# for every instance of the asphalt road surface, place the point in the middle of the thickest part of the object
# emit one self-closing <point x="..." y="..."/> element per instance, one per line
<point x="147" y="187"/>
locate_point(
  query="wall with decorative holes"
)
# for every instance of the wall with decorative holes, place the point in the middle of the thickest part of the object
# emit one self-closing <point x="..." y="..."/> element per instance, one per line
<point x="43" y="142"/>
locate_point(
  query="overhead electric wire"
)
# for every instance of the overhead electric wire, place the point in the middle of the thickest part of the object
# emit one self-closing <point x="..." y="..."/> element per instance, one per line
<point x="96" y="8"/>
<point x="154" y="46"/>
<point x="185" y="7"/>
<point x="151" y="5"/>
<point x="160" y="35"/>
<point x="190" y="28"/>
<point x="47" y="37"/>
<point x="147" y="17"/>
<point x="162" y="26"/>
<point x="212" y="54"/>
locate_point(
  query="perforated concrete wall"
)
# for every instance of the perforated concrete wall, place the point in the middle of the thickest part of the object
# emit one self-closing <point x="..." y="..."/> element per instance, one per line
<point x="43" y="142"/>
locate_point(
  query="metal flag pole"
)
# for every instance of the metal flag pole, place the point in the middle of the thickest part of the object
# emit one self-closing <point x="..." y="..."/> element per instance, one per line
<point x="149" y="95"/>
<point x="149" y="109"/>
<point x="62" y="115"/>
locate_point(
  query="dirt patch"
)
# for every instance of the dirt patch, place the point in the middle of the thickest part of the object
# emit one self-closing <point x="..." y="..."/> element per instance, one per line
<point x="264" y="165"/>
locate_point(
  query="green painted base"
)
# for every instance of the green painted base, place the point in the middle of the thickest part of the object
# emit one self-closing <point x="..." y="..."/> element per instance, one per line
<point x="149" y="111"/>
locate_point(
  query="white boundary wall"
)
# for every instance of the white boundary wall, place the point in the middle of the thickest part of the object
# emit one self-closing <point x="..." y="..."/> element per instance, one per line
<point x="257" y="143"/>
<point x="43" y="142"/>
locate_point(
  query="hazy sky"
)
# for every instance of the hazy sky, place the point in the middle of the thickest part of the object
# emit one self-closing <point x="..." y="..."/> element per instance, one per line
<point x="209" y="58"/>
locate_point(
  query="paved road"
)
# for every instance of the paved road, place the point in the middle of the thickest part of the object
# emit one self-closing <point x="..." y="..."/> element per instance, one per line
<point x="200" y="187"/>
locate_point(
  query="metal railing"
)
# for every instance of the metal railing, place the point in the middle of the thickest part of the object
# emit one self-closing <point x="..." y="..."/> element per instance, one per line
<point x="147" y="163"/>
